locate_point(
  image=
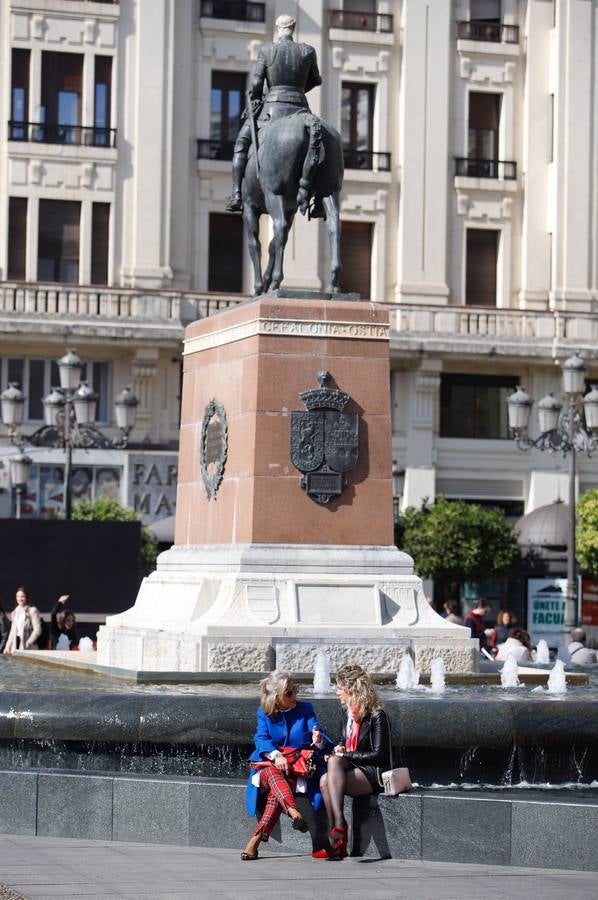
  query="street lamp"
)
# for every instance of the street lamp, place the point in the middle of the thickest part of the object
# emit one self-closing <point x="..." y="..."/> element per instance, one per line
<point x="69" y="417"/>
<point x="572" y="431"/>
<point x="19" y="476"/>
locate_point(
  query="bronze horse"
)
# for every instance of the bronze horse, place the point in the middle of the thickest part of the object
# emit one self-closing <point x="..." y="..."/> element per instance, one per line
<point x="300" y="159"/>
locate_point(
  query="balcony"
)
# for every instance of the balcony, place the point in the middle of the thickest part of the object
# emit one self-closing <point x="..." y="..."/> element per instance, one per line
<point x="239" y="10"/>
<point x="366" y="159"/>
<point x="220" y="150"/>
<point x="360" y="21"/>
<point x="486" y="168"/>
<point x="75" y="135"/>
<point x="491" y="32"/>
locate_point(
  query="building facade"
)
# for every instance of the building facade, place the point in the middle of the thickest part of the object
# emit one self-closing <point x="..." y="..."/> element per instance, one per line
<point x="470" y="206"/>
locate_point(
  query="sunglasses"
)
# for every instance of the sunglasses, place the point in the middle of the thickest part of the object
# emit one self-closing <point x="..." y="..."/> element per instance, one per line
<point x="290" y="692"/>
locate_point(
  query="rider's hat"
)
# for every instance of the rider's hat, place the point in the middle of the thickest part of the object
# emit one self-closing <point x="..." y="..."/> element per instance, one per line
<point x="286" y="22"/>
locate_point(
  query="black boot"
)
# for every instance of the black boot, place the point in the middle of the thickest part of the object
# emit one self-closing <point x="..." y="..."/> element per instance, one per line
<point x="235" y="201"/>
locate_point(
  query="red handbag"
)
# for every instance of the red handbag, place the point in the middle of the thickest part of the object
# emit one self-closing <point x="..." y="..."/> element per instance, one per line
<point x="302" y="762"/>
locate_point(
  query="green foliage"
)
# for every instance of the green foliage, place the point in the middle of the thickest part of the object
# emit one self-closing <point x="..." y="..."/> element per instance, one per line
<point x="104" y="509"/>
<point x="586" y="533"/>
<point x="458" y="541"/>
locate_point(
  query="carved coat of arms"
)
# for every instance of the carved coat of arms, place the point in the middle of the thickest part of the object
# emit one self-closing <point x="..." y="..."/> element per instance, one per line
<point x="324" y="440"/>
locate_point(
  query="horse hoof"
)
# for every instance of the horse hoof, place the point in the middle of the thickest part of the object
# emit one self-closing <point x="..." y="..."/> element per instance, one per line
<point x="258" y="290"/>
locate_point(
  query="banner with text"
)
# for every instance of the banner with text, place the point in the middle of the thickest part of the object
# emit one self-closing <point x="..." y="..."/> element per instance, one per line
<point x="589" y="601"/>
<point x="546" y="609"/>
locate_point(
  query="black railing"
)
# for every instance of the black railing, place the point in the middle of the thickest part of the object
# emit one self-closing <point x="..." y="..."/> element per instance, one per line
<point x="215" y="149"/>
<point x="365" y="159"/>
<point x="486" y="168"/>
<point x="360" y="21"/>
<point x="61" y="134"/>
<point x="241" y="10"/>
<point x="494" y="32"/>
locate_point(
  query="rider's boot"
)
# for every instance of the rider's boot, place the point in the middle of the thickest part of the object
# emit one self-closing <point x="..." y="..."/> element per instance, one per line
<point x="235" y="201"/>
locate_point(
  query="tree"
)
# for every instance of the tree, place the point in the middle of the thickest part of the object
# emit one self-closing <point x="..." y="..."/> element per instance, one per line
<point x="456" y="541"/>
<point x="586" y="533"/>
<point x="104" y="509"/>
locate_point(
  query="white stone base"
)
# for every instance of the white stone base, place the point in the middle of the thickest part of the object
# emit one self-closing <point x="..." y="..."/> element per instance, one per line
<point x="252" y="608"/>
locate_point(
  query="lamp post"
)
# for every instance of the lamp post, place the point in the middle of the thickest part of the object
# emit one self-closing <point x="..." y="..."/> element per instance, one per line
<point x="69" y="417"/>
<point x="569" y="431"/>
<point x="19" y="475"/>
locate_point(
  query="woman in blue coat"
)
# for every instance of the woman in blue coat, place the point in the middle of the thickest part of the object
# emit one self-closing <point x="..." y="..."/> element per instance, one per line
<point x="282" y="721"/>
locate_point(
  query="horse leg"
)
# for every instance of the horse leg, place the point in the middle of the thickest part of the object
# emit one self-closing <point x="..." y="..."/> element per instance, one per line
<point x="280" y="226"/>
<point x="333" y="226"/>
<point x="251" y="220"/>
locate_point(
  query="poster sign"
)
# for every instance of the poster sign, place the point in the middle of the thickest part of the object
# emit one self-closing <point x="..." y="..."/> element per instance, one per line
<point x="589" y="601"/>
<point x="546" y="599"/>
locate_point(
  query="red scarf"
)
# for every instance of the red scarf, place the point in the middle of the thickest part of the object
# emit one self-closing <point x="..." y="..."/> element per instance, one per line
<point x="353" y="738"/>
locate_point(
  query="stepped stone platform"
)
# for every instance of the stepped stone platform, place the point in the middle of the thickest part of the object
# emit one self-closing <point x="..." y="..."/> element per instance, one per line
<point x="530" y="828"/>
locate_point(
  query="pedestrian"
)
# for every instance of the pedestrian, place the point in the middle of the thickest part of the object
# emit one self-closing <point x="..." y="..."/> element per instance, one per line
<point x="63" y="622"/>
<point x="452" y="612"/>
<point x="4" y="628"/>
<point x="474" y="620"/>
<point x="579" y="653"/>
<point x="26" y="625"/>
<point x="518" y="644"/>
<point x="505" y="622"/>
<point x="354" y="768"/>
<point x="285" y="759"/>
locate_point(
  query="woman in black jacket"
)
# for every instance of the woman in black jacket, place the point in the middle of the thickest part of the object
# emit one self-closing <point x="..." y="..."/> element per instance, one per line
<point x="355" y="766"/>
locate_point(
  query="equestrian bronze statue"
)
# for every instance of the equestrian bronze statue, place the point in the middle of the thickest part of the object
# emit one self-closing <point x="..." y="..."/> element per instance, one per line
<point x="299" y="160"/>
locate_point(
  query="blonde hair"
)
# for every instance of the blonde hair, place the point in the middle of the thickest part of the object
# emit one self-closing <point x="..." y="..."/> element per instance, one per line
<point x="272" y="689"/>
<point x="360" y="688"/>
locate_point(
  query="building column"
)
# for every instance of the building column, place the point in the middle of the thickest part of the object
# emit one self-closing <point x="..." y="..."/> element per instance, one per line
<point x="420" y="471"/>
<point x="85" y="236"/>
<point x="424" y="151"/>
<point x="32" y="238"/>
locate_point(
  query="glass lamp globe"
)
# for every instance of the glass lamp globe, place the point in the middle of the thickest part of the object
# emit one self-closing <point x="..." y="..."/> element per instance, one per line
<point x="12" y="404"/>
<point x="84" y="401"/>
<point x="519" y="405"/>
<point x="574" y="373"/>
<point x="549" y="411"/>
<point x="125" y="409"/>
<point x="69" y="367"/>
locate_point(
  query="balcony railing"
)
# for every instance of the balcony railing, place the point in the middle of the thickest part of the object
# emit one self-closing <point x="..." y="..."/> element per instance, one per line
<point x="366" y="159"/>
<point x="222" y="150"/>
<point x="76" y="135"/>
<point x="360" y="21"/>
<point x="486" y="168"/>
<point x="163" y="309"/>
<point x="240" y="10"/>
<point x="493" y="32"/>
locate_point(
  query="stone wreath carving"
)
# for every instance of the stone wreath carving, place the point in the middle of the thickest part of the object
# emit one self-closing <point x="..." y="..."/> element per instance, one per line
<point x="213" y="447"/>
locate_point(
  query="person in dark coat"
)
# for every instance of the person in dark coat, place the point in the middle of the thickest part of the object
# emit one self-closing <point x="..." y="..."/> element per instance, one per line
<point x="355" y="767"/>
<point x="63" y="621"/>
<point x="282" y="722"/>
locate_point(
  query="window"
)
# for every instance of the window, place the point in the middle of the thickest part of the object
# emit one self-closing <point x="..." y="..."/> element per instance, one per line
<point x="58" y="242"/>
<point x="480" y="273"/>
<point x="356" y="257"/>
<point x="17" y="237"/>
<point x="357" y="121"/>
<point x="101" y="106"/>
<point x="62" y="84"/>
<point x="19" y="97"/>
<point x="37" y="376"/>
<point x="227" y="102"/>
<point x="484" y="113"/>
<point x="485" y="10"/>
<point x="100" y="226"/>
<point x="225" y="267"/>
<point x="475" y="406"/>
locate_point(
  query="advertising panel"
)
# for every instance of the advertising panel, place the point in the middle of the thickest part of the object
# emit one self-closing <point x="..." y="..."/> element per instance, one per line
<point x="589" y="601"/>
<point x="546" y="609"/>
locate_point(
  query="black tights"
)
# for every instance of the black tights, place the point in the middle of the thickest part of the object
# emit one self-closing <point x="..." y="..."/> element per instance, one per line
<point x="341" y="780"/>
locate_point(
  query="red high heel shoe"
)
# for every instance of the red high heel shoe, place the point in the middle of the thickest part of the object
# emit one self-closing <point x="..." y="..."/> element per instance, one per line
<point x="338" y="837"/>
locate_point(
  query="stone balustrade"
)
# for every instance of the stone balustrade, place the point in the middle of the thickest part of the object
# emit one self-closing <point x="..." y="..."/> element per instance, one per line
<point x="522" y="331"/>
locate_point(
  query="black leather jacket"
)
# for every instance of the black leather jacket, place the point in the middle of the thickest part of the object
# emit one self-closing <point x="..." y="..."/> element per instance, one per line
<point x="373" y="746"/>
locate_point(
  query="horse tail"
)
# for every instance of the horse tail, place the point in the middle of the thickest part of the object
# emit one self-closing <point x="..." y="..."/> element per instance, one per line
<point x="313" y="158"/>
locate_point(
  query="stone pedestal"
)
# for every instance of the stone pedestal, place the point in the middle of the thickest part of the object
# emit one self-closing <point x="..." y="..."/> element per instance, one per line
<point x="261" y="575"/>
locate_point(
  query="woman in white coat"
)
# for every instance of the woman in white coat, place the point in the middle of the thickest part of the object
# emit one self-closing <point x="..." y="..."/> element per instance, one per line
<point x="26" y="625"/>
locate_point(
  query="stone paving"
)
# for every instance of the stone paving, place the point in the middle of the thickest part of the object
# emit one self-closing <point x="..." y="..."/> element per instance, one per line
<point x="39" y="868"/>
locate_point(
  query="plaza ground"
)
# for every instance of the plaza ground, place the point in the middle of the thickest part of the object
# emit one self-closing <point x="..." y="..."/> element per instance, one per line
<point x="38" y="868"/>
